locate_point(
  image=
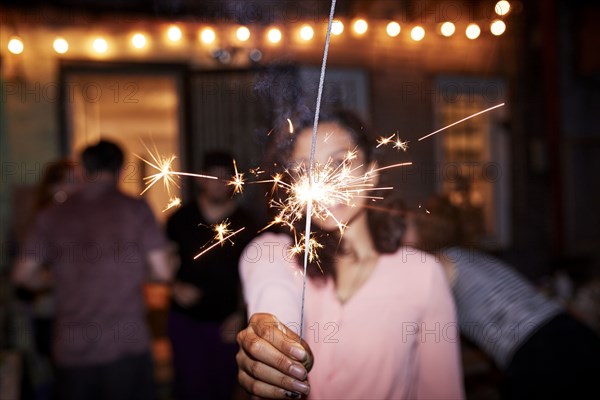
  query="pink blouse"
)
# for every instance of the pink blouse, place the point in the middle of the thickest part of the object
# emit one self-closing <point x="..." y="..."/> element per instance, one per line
<point x="395" y="338"/>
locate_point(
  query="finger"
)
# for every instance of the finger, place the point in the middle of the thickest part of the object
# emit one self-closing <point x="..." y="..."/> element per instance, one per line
<point x="264" y="373"/>
<point x="258" y="349"/>
<point x="263" y="389"/>
<point x="280" y="336"/>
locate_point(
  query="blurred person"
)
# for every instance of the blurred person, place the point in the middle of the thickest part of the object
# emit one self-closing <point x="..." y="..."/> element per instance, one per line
<point x="544" y="352"/>
<point x="373" y="315"/>
<point x="207" y="307"/>
<point x="100" y="246"/>
<point x="60" y="179"/>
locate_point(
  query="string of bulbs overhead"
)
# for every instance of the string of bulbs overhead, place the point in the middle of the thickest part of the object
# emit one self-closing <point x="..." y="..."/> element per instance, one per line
<point x="274" y="35"/>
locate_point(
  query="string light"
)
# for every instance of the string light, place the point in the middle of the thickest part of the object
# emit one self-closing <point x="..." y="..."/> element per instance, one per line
<point x="337" y="27"/>
<point x="274" y="35"/>
<point x="242" y="33"/>
<point x="473" y="31"/>
<point x="447" y="29"/>
<point x="502" y="7"/>
<point x="138" y="41"/>
<point x="497" y="27"/>
<point x="60" y="45"/>
<point x="306" y="33"/>
<point x="15" y="45"/>
<point x="360" y="26"/>
<point x="100" y="45"/>
<point x="393" y="29"/>
<point x="208" y="35"/>
<point x="174" y="33"/>
<point x="417" y="33"/>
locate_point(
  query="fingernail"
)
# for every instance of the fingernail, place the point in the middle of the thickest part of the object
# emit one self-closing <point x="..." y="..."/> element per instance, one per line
<point x="298" y="353"/>
<point x="292" y="395"/>
<point x="301" y="387"/>
<point x="298" y="372"/>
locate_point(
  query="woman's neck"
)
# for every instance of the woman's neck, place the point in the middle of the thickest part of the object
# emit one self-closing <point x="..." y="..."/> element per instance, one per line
<point x="358" y="259"/>
<point x="357" y="241"/>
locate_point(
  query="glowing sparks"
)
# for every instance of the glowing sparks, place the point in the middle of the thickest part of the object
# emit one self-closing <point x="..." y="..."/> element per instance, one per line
<point x="333" y="184"/>
<point x="237" y="181"/>
<point x="173" y="202"/>
<point x="382" y="141"/>
<point x="462" y="120"/>
<point x="222" y="234"/>
<point x="400" y="145"/>
<point x="164" y="166"/>
<point x="291" y="126"/>
<point x="300" y="246"/>
<point x="394" y="140"/>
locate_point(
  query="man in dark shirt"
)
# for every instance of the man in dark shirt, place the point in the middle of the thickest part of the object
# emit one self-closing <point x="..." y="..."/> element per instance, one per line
<point x="207" y="305"/>
<point x="100" y="245"/>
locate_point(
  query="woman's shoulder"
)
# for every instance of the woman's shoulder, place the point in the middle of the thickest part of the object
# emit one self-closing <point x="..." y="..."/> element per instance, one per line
<point x="411" y="264"/>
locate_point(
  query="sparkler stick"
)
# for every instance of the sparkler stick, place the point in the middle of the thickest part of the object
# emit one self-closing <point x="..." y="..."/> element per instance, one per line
<point x="312" y="160"/>
<point x="462" y="120"/>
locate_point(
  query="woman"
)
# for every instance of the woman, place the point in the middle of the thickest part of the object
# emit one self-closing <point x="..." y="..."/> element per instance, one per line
<point x="544" y="352"/>
<point x="379" y="320"/>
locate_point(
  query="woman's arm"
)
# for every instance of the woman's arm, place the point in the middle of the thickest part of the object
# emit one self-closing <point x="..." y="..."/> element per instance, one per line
<point x="439" y="363"/>
<point x="272" y="362"/>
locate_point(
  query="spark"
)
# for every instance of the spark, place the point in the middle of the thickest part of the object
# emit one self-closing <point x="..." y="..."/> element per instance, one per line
<point x="164" y="166"/>
<point x="221" y="231"/>
<point x="217" y="241"/>
<point x="327" y="136"/>
<point x="291" y="125"/>
<point x="313" y="245"/>
<point x="382" y="141"/>
<point x="237" y="181"/>
<point x="395" y="140"/>
<point x="462" y="120"/>
<point x="173" y="202"/>
<point x="400" y="145"/>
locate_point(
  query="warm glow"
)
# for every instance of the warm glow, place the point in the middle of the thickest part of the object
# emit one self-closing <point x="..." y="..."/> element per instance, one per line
<point x="417" y="33"/>
<point x="242" y="33"/>
<point x="393" y="29"/>
<point x="138" y="41"/>
<point x="473" y="31"/>
<point x="60" y="45"/>
<point x="307" y="32"/>
<point x="274" y="35"/>
<point x="447" y="29"/>
<point x="100" y="45"/>
<point x="497" y="27"/>
<point x="360" y="26"/>
<point x="174" y="33"/>
<point x="502" y="7"/>
<point x="15" y="45"/>
<point x="207" y="36"/>
<point x="337" y="27"/>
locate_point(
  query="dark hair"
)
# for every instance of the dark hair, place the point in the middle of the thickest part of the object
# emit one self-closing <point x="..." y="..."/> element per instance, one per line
<point x="385" y="217"/>
<point x="218" y="159"/>
<point x="104" y="156"/>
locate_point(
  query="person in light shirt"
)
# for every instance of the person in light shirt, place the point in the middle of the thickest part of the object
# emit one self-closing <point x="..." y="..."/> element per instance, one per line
<point x="379" y="319"/>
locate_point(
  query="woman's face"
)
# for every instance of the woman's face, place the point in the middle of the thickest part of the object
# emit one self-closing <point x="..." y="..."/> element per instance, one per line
<point x="333" y="144"/>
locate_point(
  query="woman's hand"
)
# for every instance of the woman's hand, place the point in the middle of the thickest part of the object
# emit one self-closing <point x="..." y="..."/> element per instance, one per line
<point x="272" y="362"/>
